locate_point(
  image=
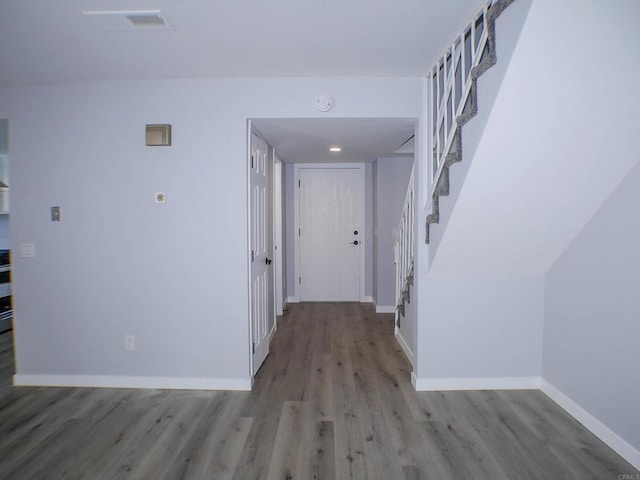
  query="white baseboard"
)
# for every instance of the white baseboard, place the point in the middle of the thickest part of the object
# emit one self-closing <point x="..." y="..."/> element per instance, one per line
<point x="273" y="330"/>
<point x="414" y="379"/>
<point x="385" y="309"/>
<point x="477" y="383"/>
<point x="112" y="381"/>
<point x="368" y="299"/>
<point x="600" y="430"/>
<point x="405" y="348"/>
<point x="293" y="300"/>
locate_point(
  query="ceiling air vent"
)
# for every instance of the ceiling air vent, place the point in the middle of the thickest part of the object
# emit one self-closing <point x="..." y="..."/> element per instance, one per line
<point x="129" y="20"/>
<point x="145" y="20"/>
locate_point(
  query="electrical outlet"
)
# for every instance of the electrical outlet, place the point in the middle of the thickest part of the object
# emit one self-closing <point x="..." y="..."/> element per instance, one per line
<point x="129" y="342"/>
<point x="55" y="214"/>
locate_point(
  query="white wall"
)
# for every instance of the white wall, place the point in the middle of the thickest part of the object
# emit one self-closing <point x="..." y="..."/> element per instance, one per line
<point x="174" y="275"/>
<point x="481" y="330"/>
<point x="390" y="190"/>
<point x="592" y="312"/>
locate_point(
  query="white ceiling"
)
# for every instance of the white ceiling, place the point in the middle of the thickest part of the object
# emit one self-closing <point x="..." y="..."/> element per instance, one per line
<point x="307" y="140"/>
<point x="45" y="41"/>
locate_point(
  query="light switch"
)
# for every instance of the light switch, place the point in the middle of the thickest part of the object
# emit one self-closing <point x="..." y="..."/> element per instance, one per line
<point x="27" y="250"/>
<point x="55" y="214"/>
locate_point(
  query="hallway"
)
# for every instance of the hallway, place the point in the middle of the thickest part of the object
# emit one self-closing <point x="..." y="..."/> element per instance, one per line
<point x="332" y="400"/>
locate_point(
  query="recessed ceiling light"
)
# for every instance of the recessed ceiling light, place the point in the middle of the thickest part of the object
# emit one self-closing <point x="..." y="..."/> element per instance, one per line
<point x="335" y="149"/>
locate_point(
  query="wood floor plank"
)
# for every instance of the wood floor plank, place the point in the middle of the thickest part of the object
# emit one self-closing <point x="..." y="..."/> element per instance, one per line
<point x="461" y="435"/>
<point x="163" y="452"/>
<point x="116" y="432"/>
<point x="283" y="464"/>
<point x="349" y="439"/>
<point x="382" y="462"/>
<point x="434" y="462"/>
<point x="318" y="460"/>
<point x="214" y="448"/>
<point x="253" y="463"/>
<point x="320" y="386"/>
<point x="404" y="434"/>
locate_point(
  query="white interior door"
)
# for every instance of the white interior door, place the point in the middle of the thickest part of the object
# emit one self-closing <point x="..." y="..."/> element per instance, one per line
<point x="331" y="223"/>
<point x="262" y="311"/>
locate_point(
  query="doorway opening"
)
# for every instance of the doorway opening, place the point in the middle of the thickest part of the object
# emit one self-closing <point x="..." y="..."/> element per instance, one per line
<point x="328" y="227"/>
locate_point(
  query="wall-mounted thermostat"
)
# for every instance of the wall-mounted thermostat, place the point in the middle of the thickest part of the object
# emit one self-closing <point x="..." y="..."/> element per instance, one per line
<point x="161" y="197"/>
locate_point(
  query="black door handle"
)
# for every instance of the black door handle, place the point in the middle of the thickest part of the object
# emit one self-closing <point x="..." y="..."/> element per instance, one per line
<point x="267" y="261"/>
<point x="355" y="242"/>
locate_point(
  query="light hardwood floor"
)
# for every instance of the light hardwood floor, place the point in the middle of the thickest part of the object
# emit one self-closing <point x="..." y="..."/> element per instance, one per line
<point x="332" y="401"/>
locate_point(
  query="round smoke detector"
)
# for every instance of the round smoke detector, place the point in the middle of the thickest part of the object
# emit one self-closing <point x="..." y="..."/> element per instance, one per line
<point x="324" y="103"/>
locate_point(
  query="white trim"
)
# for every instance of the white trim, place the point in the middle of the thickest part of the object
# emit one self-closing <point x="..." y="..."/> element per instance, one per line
<point x="296" y="238"/>
<point x="363" y="216"/>
<point x="414" y="380"/>
<point x="249" y="286"/>
<point x="296" y="216"/>
<point x="368" y="299"/>
<point x="273" y="329"/>
<point x="277" y="234"/>
<point x="478" y="383"/>
<point x="600" y="430"/>
<point x="113" y="381"/>
<point x="293" y="299"/>
<point x="385" y="309"/>
<point x="405" y="348"/>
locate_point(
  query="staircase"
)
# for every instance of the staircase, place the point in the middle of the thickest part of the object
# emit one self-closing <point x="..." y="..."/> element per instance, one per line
<point x="453" y="97"/>
<point x="453" y="101"/>
<point x="404" y="248"/>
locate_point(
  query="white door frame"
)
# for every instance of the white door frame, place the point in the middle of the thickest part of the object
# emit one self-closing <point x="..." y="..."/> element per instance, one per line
<point x="278" y="253"/>
<point x="248" y="250"/>
<point x="296" y="214"/>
